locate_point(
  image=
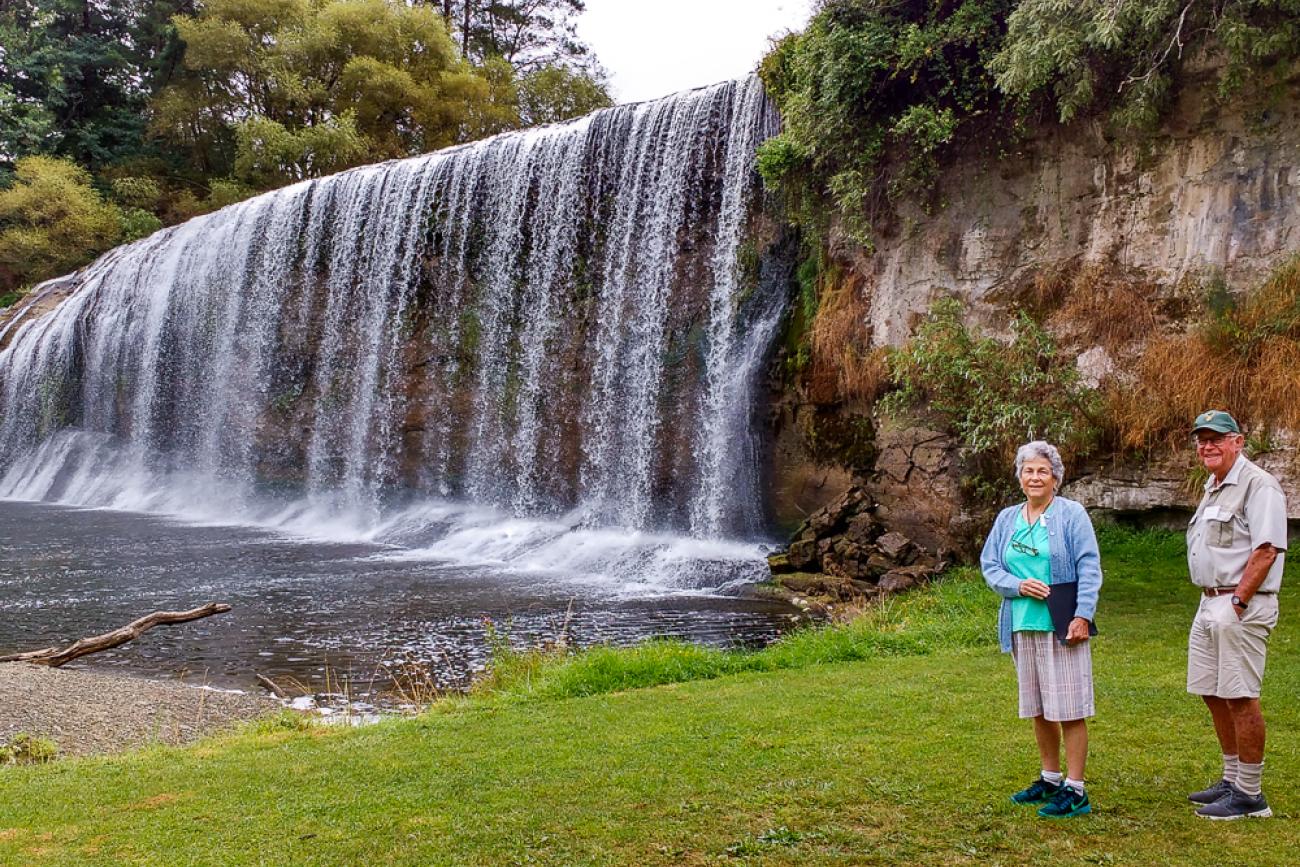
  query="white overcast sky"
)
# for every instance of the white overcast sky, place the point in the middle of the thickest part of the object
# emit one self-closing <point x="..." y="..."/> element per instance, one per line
<point x="656" y="47"/>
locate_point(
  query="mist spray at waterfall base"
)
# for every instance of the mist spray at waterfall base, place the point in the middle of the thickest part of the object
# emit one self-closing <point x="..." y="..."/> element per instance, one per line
<point x="306" y="610"/>
<point x="527" y="367"/>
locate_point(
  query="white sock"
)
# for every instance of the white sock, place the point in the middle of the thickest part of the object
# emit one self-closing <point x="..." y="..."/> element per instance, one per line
<point x="1077" y="785"/>
<point x="1053" y="777"/>
<point x="1230" y="768"/>
<point x="1248" y="777"/>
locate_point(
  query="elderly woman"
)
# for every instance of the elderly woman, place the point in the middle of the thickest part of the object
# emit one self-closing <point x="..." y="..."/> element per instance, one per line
<point x="1042" y="557"/>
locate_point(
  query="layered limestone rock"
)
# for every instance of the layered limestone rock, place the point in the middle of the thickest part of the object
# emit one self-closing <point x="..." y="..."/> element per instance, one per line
<point x="1168" y="488"/>
<point x="1215" y="192"/>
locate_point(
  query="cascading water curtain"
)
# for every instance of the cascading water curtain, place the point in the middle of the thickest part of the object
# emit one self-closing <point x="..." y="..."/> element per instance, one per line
<point x="560" y="319"/>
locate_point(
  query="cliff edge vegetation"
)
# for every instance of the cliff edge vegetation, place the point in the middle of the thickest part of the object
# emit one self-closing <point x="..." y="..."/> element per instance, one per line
<point x="874" y="96"/>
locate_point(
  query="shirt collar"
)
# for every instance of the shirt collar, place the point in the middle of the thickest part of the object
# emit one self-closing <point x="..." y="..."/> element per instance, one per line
<point x="1233" y="476"/>
<point x="1043" y="517"/>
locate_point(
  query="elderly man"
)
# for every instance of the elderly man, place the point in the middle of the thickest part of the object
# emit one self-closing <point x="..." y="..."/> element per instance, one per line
<point x="1235" y="546"/>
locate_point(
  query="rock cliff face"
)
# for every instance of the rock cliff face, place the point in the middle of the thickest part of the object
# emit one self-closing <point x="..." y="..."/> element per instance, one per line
<point x="1214" y="195"/>
<point x="1163" y="489"/>
<point x="1216" y="192"/>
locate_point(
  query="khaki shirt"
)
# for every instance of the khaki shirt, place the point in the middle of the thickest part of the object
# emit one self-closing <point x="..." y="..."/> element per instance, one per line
<point x="1233" y="519"/>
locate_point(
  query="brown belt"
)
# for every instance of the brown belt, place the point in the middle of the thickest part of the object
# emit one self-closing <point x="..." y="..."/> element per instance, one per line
<point x="1223" y="591"/>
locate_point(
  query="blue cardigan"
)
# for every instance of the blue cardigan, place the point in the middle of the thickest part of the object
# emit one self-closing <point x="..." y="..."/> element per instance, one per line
<point x="1072" y="547"/>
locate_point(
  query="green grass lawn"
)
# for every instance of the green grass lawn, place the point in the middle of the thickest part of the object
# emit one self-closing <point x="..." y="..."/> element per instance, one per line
<point x="903" y="754"/>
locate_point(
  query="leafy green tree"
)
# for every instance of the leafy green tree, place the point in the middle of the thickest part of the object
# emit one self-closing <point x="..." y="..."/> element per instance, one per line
<point x="25" y="124"/>
<point x="277" y="90"/>
<point x="527" y="34"/>
<point x="872" y="93"/>
<point x="555" y="75"/>
<point x="77" y="75"/>
<point x="269" y="154"/>
<point x="554" y="93"/>
<point x="51" y="221"/>
<point x="1126" y="54"/>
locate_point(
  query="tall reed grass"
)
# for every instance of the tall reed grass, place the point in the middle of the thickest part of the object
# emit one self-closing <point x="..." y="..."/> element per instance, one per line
<point x="843" y="360"/>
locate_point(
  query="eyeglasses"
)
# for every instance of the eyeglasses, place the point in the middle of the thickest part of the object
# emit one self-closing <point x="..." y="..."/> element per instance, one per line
<point x="1206" y="442"/>
<point x="1022" y="548"/>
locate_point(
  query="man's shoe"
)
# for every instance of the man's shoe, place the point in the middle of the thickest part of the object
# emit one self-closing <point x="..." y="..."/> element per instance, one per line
<point x="1036" y="792"/>
<point x="1237" y="805"/>
<point x="1065" y="803"/>
<point x="1212" y="794"/>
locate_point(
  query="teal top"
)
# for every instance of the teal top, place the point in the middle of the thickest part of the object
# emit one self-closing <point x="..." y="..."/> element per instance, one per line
<point x="1072" y="551"/>
<point x="1027" y="557"/>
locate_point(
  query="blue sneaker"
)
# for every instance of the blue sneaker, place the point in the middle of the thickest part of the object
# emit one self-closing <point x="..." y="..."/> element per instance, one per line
<point x="1065" y="803"/>
<point x="1237" y="805"/>
<point x="1210" y="794"/>
<point x="1036" y="792"/>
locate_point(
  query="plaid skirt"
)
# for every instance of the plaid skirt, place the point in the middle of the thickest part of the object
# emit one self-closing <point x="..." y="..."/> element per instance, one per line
<point x="1055" y="680"/>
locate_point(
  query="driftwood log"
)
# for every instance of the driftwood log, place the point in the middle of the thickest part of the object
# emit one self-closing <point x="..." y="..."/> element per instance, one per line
<point x="54" y="657"/>
<point x="274" y="687"/>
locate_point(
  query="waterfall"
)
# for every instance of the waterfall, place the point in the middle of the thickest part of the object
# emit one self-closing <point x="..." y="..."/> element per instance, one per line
<point x="562" y="327"/>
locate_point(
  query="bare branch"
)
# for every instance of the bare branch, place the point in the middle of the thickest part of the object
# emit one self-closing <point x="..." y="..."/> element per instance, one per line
<point x="53" y="657"/>
<point x="1175" y="41"/>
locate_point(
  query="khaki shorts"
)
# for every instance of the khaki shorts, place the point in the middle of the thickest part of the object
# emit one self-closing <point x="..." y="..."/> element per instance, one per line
<point x="1225" y="655"/>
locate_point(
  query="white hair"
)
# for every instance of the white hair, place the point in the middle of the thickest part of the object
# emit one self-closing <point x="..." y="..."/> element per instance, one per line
<point x="1041" y="449"/>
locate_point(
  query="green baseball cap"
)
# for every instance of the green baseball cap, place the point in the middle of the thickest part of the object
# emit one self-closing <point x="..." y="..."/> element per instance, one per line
<point x="1216" y="420"/>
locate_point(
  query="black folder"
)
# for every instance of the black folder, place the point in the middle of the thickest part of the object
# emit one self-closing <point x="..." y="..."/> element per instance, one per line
<point x="1061" y="603"/>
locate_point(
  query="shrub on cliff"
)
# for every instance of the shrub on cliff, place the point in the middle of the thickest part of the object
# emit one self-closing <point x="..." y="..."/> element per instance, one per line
<point x="871" y="93"/>
<point x="992" y="395"/>
<point x="1073" y="55"/>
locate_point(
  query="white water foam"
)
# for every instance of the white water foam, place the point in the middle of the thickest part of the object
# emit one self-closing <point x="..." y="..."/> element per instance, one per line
<point x="551" y="325"/>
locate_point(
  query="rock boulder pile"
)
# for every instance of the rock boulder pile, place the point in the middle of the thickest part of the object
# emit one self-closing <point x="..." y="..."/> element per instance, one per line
<point x="843" y="553"/>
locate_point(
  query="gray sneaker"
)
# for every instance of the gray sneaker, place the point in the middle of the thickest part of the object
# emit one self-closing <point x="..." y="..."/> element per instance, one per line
<point x="1237" y="805"/>
<point x="1212" y="794"/>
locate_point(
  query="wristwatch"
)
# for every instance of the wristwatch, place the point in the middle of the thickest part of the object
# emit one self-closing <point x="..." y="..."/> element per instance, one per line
<point x="1237" y="601"/>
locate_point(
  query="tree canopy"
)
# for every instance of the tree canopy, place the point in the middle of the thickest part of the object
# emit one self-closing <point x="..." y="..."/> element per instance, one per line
<point x="77" y="75"/>
<point x="1126" y="55"/>
<point x="52" y="220"/>
<point x="279" y="90"/>
<point x="155" y="110"/>
<point x="527" y="34"/>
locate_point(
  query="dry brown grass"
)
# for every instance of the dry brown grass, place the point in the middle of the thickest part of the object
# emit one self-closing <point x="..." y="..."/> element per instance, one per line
<point x="1046" y="293"/>
<point x="1275" y="306"/>
<point x="844" y="365"/>
<point x="1246" y="361"/>
<point x="1102" y="308"/>
<point x="415" y="683"/>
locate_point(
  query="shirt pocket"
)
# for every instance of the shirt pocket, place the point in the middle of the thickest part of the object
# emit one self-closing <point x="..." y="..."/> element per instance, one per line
<point x="1218" y="532"/>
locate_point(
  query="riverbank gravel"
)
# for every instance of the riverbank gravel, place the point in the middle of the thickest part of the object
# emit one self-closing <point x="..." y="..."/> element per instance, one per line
<point x="89" y="713"/>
